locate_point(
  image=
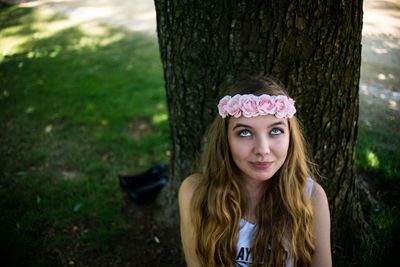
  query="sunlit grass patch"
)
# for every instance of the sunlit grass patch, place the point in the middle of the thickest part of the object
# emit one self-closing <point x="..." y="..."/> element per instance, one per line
<point x="373" y="161"/>
<point x="30" y="25"/>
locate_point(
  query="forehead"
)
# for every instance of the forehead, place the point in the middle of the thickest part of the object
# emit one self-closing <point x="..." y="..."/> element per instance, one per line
<point x="257" y="122"/>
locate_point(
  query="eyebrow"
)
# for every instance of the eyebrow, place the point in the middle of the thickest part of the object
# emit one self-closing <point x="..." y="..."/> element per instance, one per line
<point x="269" y="126"/>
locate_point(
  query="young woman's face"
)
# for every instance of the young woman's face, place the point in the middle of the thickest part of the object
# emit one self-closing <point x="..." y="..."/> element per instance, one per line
<point x="259" y="145"/>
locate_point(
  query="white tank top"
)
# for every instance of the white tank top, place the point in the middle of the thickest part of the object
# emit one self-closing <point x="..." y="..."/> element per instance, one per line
<point x="246" y="235"/>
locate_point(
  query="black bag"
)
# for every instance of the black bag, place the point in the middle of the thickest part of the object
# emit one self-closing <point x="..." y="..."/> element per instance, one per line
<point x="144" y="187"/>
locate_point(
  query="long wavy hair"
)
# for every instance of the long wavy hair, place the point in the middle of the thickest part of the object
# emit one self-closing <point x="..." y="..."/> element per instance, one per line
<point x="284" y="214"/>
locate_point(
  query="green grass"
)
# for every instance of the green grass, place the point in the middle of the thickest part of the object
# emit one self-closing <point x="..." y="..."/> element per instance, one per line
<point x="377" y="147"/>
<point x="73" y="104"/>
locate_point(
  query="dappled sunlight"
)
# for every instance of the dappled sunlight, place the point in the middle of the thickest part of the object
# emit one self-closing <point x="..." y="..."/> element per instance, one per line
<point x="48" y="129"/>
<point x="393" y="105"/>
<point x="389" y="76"/>
<point x="98" y="35"/>
<point x="381" y="98"/>
<point x="4" y="94"/>
<point x="94" y="29"/>
<point x="45" y="27"/>
<point x="160" y="106"/>
<point x="82" y="14"/>
<point x="381" y="76"/>
<point x="11" y="41"/>
<point x="132" y="15"/>
<point x="384" y="17"/>
<point x="46" y="24"/>
<point x="372" y="159"/>
<point x="104" y="122"/>
<point x="381" y="44"/>
<point x="15" y="37"/>
<point x="380" y="50"/>
<point x="30" y="109"/>
<point x="158" y="118"/>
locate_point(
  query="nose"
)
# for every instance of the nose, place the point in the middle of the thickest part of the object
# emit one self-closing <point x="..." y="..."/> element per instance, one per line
<point x="261" y="146"/>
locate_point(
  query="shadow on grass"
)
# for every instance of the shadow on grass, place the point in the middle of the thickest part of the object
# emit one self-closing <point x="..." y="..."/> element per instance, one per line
<point x="69" y="102"/>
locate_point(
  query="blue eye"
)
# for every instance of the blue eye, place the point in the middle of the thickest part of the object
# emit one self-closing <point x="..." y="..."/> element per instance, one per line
<point x="276" y="131"/>
<point x="244" y="133"/>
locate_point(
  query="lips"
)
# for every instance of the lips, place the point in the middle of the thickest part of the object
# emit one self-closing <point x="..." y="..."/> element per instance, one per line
<point x="261" y="165"/>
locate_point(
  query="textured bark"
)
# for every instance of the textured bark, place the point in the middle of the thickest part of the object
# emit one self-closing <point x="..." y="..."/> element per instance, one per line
<point x="313" y="47"/>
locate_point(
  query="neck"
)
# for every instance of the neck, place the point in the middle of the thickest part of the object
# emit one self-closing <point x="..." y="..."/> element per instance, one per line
<point x="253" y="192"/>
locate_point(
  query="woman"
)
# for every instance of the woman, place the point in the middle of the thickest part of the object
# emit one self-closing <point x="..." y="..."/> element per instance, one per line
<point x="253" y="202"/>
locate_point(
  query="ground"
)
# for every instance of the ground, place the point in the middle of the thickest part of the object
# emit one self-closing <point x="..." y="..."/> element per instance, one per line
<point x="147" y="243"/>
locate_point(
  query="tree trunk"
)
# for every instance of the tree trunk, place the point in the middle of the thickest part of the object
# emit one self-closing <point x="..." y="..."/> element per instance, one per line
<point x="313" y="47"/>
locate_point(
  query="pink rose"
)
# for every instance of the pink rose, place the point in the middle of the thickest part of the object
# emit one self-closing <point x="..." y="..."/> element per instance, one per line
<point x="222" y="106"/>
<point x="248" y="104"/>
<point x="282" y="104"/>
<point x="266" y="104"/>
<point x="291" y="109"/>
<point x="233" y="106"/>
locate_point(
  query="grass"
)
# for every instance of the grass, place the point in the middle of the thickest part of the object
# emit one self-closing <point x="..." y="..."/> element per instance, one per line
<point x="80" y="104"/>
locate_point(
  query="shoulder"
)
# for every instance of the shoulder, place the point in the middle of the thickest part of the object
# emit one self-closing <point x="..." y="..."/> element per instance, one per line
<point x="319" y="202"/>
<point x="188" y="232"/>
<point x="318" y="193"/>
<point x="187" y="188"/>
<point x="189" y="185"/>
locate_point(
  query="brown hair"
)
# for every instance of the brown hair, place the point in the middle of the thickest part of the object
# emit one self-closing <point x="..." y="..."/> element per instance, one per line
<point x="284" y="213"/>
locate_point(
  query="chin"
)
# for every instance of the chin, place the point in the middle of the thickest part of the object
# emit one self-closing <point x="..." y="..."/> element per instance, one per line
<point x="260" y="176"/>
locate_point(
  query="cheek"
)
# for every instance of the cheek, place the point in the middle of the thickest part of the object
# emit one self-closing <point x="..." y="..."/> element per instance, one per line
<point x="281" y="148"/>
<point x="240" y="150"/>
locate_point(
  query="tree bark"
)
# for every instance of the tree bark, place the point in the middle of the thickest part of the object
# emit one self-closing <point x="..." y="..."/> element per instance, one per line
<point x="313" y="47"/>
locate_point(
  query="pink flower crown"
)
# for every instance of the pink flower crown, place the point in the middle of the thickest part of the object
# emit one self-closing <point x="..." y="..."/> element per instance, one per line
<point x="251" y="106"/>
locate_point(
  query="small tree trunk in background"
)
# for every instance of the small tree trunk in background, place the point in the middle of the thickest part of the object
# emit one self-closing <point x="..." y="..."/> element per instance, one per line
<point x="313" y="47"/>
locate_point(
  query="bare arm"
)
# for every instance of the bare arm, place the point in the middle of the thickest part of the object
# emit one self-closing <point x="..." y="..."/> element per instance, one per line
<point x="322" y="228"/>
<point x="186" y="192"/>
